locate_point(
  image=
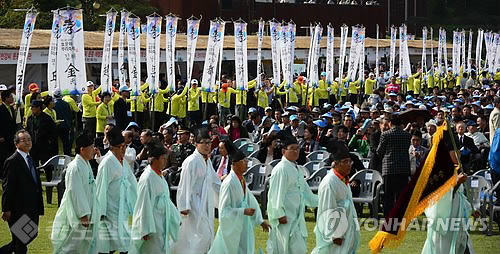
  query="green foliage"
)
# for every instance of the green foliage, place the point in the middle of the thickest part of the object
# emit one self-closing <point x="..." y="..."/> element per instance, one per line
<point x="93" y="18"/>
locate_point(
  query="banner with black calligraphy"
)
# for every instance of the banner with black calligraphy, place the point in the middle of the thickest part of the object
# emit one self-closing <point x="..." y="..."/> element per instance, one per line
<point x="171" y="34"/>
<point x="153" y="52"/>
<point x="71" y="71"/>
<point x="193" y="26"/>
<point x="211" y="57"/>
<point x="122" y="71"/>
<point x="260" y="38"/>
<point x="240" y="55"/>
<point x="107" y="52"/>
<point x="29" y="25"/>
<point x="52" y="80"/>
<point x="275" y="29"/>
<point x="134" y="62"/>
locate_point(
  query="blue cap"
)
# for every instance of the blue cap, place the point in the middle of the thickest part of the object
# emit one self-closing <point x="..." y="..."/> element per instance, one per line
<point x="275" y="127"/>
<point x="408" y="97"/>
<point x="171" y="121"/>
<point x="326" y="105"/>
<point x="450" y="106"/>
<point x="392" y="94"/>
<point x="252" y="109"/>
<point x="294" y="117"/>
<point x="204" y="122"/>
<point x="489" y="106"/>
<point x="458" y="100"/>
<point x="476" y="103"/>
<point x="125" y="88"/>
<point x="471" y="123"/>
<point x="320" y="123"/>
<point x="327" y="115"/>
<point x="345" y="107"/>
<point x="323" y="73"/>
<point x="291" y="108"/>
<point x="476" y="96"/>
<point x="132" y="124"/>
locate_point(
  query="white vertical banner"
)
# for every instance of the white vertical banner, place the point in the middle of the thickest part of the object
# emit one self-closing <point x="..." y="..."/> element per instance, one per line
<point x="240" y="55"/>
<point x="260" y="38"/>
<point x="122" y="71"/>
<point x="456" y="52"/>
<point x="285" y="53"/>
<point x="462" y="47"/>
<point x="52" y="80"/>
<point x="344" y="30"/>
<point x="193" y="27"/>
<point x="170" y="36"/>
<point x="318" y="30"/>
<point x="400" y="51"/>
<point x="275" y="28"/>
<point x="494" y="53"/>
<point x="221" y="47"/>
<point x="153" y="34"/>
<point x="445" y="51"/>
<point x="440" y="53"/>
<point x="479" y="47"/>
<point x="432" y="52"/>
<point x="392" y="52"/>
<point x="353" y="54"/>
<point x="70" y="53"/>
<point x="376" y="55"/>
<point x="107" y="50"/>
<point x="291" y="44"/>
<point x="424" y="56"/>
<point x="309" y="53"/>
<point x="329" y="53"/>
<point x="406" y="56"/>
<point x="134" y="63"/>
<point x="24" y="46"/>
<point x="469" y="53"/>
<point x="211" y="57"/>
<point x="361" y="54"/>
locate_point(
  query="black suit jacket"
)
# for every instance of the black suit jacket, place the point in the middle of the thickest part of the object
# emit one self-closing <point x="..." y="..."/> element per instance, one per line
<point x="7" y="131"/>
<point x="43" y="136"/>
<point x="468" y="143"/>
<point x="21" y="195"/>
<point x="120" y="112"/>
<point x="217" y="160"/>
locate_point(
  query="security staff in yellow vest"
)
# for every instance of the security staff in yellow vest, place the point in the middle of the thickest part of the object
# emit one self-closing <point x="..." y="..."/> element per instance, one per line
<point x="370" y="85"/>
<point x="353" y="91"/>
<point x="89" y="104"/>
<point x="292" y="92"/>
<point x="141" y="100"/>
<point x="157" y="104"/>
<point x="195" y="116"/>
<point x="417" y="83"/>
<point x="241" y="104"/>
<point x="263" y="98"/>
<point x="211" y="106"/>
<point x="224" y="102"/>
<point x="322" y="90"/>
<point x="177" y="104"/>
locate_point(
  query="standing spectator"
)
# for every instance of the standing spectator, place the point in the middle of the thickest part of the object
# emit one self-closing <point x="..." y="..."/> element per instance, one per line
<point x="494" y="118"/>
<point x="42" y="131"/>
<point x="194" y="112"/>
<point x="182" y="149"/>
<point x="104" y="114"/>
<point x="395" y="159"/>
<point x="89" y="103"/>
<point x="121" y="111"/>
<point x="8" y="128"/>
<point x="65" y="119"/>
<point x="22" y="192"/>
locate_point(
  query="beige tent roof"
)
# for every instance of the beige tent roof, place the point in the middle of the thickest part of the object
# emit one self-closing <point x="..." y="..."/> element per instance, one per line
<point x="10" y="39"/>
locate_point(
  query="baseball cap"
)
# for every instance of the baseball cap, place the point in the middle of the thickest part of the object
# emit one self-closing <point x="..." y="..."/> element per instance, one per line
<point x="251" y="110"/>
<point x="33" y="87"/>
<point x="90" y="83"/>
<point x="125" y="88"/>
<point x="3" y="87"/>
<point x="294" y="117"/>
<point x="320" y="123"/>
<point x="194" y="81"/>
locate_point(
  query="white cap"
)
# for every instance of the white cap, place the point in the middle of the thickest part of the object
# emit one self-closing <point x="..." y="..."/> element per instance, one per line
<point x="90" y="83"/>
<point x="371" y="74"/>
<point x="194" y="81"/>
<point x="3" y="87"/>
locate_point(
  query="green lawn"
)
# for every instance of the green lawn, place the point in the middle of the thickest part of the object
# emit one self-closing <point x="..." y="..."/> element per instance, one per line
<point x="413" y="242"/>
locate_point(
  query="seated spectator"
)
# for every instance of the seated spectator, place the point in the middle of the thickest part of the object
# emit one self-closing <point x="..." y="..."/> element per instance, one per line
<point x="146" y="138"/>
<point x="418" y="153"/>
<point x="269" y="149"/>
<point x="235" y="130"/>
<point x="480" y="140"/>
<point x="222" y="161"/>
<point x="470" y="155"/>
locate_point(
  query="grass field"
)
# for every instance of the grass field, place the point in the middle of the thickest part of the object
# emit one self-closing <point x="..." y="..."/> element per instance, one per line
<point x="413" y="242"/>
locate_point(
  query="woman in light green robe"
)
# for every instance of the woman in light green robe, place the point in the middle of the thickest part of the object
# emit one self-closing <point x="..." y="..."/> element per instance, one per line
<point x="335" y="195"/>
<point x="69" y="235"/>
<point x="442" y="237"/>
<point x="288" y="195"/>
<point x="116" y="195"/>
<point x="155" y="216"/>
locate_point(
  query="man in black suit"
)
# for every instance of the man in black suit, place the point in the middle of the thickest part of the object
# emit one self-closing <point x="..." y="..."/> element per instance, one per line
<point x="470" y="154"/>
<point x="8" y="128"/>
<point x="121" y="109"/>
<point x="22" y="202"/>
<point x="393" y="154"/>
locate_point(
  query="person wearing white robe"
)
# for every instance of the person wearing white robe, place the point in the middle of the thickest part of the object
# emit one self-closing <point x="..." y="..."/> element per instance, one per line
<point x="447" y="237"/>
<point x="197" y="197"/>
<point x="116" y="195"/>
<point x="76" y="219"/>
<point x="335" y="195"/>
<point x="239" y="212"/>
<point x="288" y="195"/>
<point x="156" y="220"/>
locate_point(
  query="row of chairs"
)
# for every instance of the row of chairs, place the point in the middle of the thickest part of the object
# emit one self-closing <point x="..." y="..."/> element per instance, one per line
<point x="483" y="197"/>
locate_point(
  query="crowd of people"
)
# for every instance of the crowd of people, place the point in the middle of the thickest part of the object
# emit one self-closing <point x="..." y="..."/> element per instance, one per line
<point x="127" y="145"/>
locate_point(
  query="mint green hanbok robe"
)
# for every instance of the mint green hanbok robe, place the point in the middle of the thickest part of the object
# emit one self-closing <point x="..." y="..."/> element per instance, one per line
<point x="79" y="200"/>
<point x="335" y="195"/>
<point x="198" y="192"/>
<point x="236" y="230"/>
<point x="116" y="195"/>
<point x="288" y="196"/>
<point x="445" y="239"/>
<point x="154" y="215"/>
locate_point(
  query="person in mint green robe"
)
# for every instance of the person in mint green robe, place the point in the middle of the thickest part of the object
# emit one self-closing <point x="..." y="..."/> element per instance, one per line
<point x="288" y="196"/>
<point x="444" y="238"/>
<point x="156" y="220"/>
<point x="116" y="195"/>
<point x="239" y="211"/>
<point x="335" y="198"/>
<point x="76" y="219"/>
